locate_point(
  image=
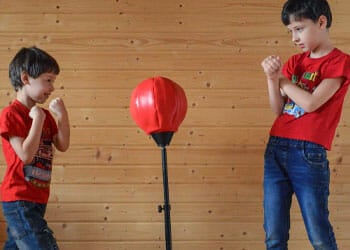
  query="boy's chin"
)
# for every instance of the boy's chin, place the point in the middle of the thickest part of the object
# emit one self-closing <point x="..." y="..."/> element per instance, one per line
<point x="41" y="101"/>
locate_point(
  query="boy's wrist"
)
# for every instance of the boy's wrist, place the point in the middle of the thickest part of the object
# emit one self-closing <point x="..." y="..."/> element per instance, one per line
<point x="62" y="116"/>
<point x="272" y="79"/>
<point x="38" y="119"/>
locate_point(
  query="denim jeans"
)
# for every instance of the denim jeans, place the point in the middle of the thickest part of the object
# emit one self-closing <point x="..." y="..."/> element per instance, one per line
<point x="300" y="168"/>
<point x="26" y="227"/>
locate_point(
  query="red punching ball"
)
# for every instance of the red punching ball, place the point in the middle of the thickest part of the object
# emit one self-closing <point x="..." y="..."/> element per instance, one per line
<point x="158" y="105"/>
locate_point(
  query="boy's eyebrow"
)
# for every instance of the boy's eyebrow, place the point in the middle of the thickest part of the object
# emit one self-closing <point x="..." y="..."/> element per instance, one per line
<point x="50" y="73"/>
<point x="289" y="29"/>
<point x="297" y="25"/>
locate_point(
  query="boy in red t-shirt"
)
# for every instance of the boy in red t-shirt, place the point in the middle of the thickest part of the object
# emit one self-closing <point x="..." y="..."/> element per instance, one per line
<point x="28" y="133"/>
<point x="307" y="95"/>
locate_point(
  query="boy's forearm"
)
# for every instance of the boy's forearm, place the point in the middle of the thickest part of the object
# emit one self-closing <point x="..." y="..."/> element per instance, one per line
<point x="63" y="134"/>
<point x="31" y="143"/>
<point x="298" y="95"/>
<point x="272" y="68"/>
<point x="275" y="97"/>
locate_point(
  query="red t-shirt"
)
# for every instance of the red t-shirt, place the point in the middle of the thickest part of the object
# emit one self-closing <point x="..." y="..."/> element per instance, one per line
<point x="318" y="126"/>
<point x="32" y="184"/>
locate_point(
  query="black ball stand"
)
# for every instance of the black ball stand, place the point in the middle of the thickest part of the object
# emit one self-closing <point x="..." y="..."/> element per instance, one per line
<point x="163" y="139"/>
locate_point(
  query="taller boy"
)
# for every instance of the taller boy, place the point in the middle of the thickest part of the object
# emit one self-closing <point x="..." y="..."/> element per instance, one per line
<point x="28" y="134"/>
<point x="306" y="94"/>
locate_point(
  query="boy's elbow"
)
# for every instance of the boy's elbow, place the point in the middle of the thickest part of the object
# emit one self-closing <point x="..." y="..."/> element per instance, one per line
<point x="26" y="159"/>
<point x="277" y="112"/>
<point x="309" y="110"/>
<point x="63" y="148"/>
<point x="310" y="107"/>
<point x="62" y="143"/>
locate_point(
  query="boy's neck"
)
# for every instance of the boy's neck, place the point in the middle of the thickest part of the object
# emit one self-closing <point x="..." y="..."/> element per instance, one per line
<point x="322" y="50"/>
<point x="24" y="99"/>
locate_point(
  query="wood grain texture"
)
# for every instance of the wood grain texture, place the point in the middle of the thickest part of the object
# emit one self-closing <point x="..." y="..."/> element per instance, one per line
<point x="107" y="187"/>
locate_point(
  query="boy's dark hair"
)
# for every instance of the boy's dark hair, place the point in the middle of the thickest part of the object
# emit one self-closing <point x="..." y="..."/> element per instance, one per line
<point x="32" y="61"/>
<point x="309" y="9"/>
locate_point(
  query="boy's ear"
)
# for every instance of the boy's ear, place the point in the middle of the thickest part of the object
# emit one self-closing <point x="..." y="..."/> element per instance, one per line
<point x="323" y="21"/>
<point x="24" y="78"/>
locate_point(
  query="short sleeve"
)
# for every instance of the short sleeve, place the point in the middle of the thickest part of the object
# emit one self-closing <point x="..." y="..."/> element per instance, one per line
<point x="288" y="68"/>
<point x="11" y="124"/>
<point x="338" y="67"/>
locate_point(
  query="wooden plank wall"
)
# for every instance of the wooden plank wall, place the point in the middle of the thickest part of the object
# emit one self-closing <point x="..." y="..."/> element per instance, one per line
<point x="107" y="187"/>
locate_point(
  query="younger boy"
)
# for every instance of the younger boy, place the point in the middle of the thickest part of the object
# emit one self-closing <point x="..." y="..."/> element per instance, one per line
<point x="28" y="133"/>
<point x="307" y="95"/>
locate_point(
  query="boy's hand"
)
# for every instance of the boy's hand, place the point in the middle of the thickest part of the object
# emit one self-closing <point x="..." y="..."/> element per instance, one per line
<point x="37" y="113"/>
<point x="57" y="107"/>
<point x="272" y="67"/>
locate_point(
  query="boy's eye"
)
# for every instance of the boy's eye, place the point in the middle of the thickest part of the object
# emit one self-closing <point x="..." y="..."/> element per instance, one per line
<point x="299" y="28"/>
<point x="295" y="29"/>
<point x="49" y="81"/>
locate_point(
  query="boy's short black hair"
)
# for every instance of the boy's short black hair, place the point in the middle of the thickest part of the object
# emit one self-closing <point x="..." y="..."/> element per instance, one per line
<point x="32" y="61"/>
<point x="309" y="9"/>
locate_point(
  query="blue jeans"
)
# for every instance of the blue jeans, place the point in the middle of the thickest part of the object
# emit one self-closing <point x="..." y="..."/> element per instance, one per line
<point x="300" y="168"/>
<point x="26" y="227"/>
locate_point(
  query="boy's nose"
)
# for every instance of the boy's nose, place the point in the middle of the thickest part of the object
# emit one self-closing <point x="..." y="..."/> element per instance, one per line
<point x="295" y="38"/>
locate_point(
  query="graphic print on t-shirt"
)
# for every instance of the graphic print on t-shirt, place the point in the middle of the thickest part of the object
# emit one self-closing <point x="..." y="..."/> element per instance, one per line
<point x="39" y="171"/>
<point x="290" y="107"/>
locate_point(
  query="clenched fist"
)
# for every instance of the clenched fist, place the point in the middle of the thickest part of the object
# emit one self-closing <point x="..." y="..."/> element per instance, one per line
<point x="272" y="66"/>
<point x="57" y="107"/>
<point x="37" y="113"/>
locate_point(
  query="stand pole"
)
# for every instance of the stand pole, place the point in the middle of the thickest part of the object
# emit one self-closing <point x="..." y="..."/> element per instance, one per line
<point x="166" y="206"/>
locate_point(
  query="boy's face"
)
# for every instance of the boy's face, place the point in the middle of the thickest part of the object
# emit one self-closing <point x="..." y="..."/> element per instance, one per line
<point x="39" y="89"/>
<point x="307" y="34"/>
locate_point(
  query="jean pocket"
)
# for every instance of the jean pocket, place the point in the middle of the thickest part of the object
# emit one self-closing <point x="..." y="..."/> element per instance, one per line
<point x="315" y="155"/>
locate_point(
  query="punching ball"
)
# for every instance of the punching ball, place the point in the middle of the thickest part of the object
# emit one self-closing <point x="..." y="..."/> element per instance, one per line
<point x="158" y="106"/>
